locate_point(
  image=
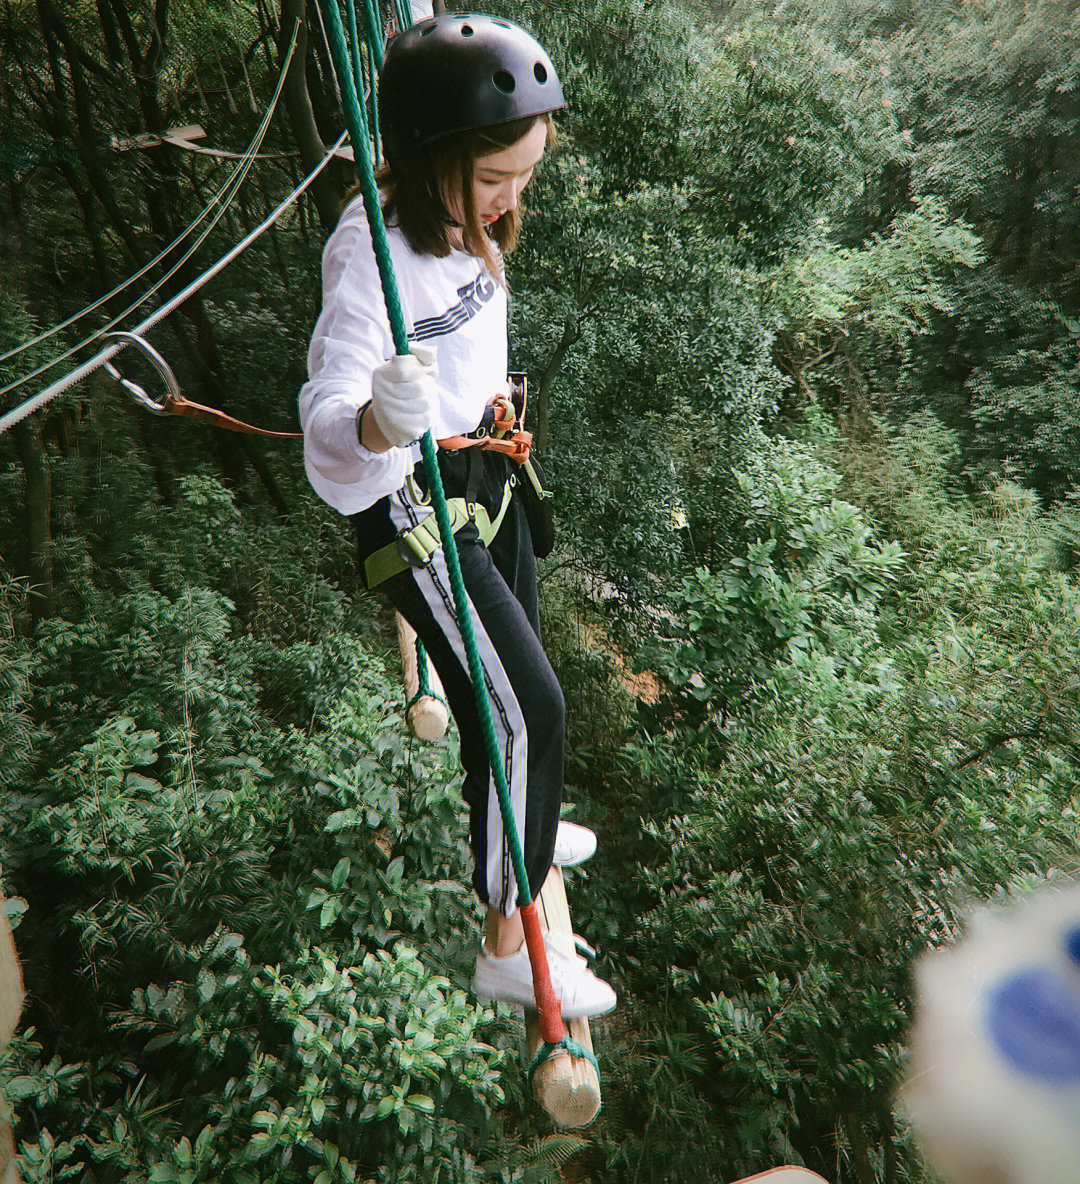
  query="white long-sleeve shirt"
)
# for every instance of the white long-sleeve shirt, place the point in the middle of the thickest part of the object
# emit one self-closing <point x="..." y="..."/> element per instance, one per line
<point x="451" y="304"/>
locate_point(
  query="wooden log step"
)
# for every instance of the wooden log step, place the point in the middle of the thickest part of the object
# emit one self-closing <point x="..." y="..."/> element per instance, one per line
<point x="428" y="716"/>
<point x="567" y="1088"/>
<point x="11" y="998"/>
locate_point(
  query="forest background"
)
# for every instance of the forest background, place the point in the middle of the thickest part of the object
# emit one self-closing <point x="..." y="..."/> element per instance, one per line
<point x="800" y="298"/>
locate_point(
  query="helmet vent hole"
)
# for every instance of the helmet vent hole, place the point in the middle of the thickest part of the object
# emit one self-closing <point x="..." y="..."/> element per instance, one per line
<point x="502" y="24"/>
<point x="466" y="30"/>
<point x="429" y="29"/>
<point x="539" y="73"/>
<point x="504" y="80"/>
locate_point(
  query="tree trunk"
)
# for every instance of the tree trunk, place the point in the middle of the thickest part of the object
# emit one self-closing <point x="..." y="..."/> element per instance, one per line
<point x="570" y="335"/>
<point x="860" y="1154"/>
<point x="325" y="193"/>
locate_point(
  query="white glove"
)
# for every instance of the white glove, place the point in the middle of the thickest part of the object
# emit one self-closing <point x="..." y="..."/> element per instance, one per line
<point x="404" y="396"/>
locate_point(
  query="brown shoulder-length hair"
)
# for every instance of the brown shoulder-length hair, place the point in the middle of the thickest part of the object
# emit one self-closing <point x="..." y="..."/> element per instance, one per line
<point x="414" y="190"/>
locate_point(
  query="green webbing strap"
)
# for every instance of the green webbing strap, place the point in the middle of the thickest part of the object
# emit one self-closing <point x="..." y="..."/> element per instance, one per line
<point x="358" y="133"/>
<point x="568" y="1045"/>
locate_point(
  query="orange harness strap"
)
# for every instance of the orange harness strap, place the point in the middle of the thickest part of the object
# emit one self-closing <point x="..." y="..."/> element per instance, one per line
<point x="500" y="437"/>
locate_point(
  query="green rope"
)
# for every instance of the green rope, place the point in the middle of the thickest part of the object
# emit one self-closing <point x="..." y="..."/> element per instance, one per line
<point x="425" y="689"/>
<point x="354" y="47"/>
<point x="404" y="13"/>
<point x="420" y="695"/>
<point x="570" y="1047"/>
<point x="422" y="668"/>
<point x="373" y="102"/>
<point x="374" y="33"/>
<point x="375" y="51"/>
<point x="358" y="133"/>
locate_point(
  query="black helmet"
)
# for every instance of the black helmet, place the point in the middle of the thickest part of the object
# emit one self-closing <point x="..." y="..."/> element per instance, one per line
<point x="460" y="71"/>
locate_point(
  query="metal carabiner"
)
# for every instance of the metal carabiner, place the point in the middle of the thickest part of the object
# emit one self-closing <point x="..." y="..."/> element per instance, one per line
<point x="163" y="368"/>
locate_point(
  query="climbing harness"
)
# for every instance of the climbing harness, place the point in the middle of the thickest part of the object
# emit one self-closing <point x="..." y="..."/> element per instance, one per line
<point x="174" y="402"/>
<point x="496" y="432"/>
<point x="417" y="546"/>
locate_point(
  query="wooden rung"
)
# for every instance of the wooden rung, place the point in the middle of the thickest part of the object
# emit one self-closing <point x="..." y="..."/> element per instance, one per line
<point x="427" y="717"/>
<point x="567" y="1088"/>
<point x="11" y="986"/>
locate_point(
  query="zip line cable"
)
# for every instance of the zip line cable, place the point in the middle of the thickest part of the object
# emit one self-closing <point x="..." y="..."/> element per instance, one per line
<point x="99" y="359"/>
<point x="240" y="175"/>
<point x="236" y="180"/>
<point x="223" y="154"/>
<point x="250" y="152"/>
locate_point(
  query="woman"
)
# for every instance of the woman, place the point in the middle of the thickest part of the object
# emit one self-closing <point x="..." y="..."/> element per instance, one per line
<point x="465" y="103"/>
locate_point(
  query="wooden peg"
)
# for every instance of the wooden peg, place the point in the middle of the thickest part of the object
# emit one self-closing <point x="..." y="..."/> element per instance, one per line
<point x="566" y="1087"/>
<point x="427" y="717"/>
<point x="11" y="998"/>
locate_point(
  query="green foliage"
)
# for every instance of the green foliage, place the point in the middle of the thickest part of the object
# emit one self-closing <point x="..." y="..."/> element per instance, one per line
<point x="892" y="755"/>
<point x="230" y="845"/>
<point x="983" y="100"/>
<point x="804" y="589"/>
<point x="842" y="307"/>
<point x="785" y="130"/>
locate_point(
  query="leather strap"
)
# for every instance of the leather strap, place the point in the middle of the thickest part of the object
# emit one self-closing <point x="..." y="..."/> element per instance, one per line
<point x="174" y="402"/>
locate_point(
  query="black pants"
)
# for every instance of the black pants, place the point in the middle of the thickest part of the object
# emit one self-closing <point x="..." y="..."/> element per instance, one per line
<point x="526" y="700"/>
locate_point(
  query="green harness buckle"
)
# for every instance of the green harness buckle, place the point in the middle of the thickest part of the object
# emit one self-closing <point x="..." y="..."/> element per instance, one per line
<point x="416" y="547"/>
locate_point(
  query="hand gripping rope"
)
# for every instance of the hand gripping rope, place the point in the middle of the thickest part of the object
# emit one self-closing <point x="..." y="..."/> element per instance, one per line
<point x="551" y="1025"/>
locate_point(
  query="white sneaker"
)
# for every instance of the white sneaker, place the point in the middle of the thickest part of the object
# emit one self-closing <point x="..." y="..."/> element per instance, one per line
<point x="573" y="844"/>
<point x="509" y="979"/>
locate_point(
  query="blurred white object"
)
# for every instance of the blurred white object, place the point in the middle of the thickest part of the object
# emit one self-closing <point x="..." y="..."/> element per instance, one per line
<point x="784" y="1176"/>
<point x="993" y="1089"/>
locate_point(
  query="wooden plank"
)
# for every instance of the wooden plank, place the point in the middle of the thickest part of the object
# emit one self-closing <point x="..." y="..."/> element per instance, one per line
<point x="567" y="1088"/>
<point x="190" y="131"/>
<point x="11" y="985"/>
<point x="427" y="717"/>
